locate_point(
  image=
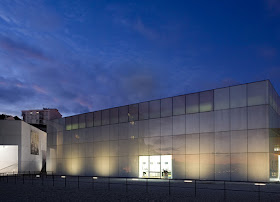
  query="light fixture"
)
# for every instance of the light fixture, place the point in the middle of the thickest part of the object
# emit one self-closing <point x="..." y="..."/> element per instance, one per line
<point x="63" y="176"/>
<point x="187" y="181"/>
<point x="260" y="184"/>
<point x="95" y="178"/>
<point x="134" y="179"/>
<point x="38" y="176"/>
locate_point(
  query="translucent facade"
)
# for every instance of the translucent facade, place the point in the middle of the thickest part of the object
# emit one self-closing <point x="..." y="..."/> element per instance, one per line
<point x="229" y="133"/>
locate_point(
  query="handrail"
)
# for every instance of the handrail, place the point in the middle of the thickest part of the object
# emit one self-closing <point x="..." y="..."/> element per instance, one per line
<point x="9" y="166"/>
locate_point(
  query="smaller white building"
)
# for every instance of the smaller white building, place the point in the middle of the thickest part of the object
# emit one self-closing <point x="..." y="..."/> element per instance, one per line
<point x="22" y="147"/>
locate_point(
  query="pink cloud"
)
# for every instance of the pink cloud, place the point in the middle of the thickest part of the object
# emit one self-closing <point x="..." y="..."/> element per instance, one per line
<point x="39" y="89"/>
<point x="84" y="102"/>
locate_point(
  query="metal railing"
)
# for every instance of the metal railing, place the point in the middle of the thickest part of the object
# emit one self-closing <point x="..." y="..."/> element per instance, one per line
<point x="191" y="188"/>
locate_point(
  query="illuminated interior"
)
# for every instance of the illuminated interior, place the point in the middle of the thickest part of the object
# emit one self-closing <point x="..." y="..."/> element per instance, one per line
<point x="8" y="158"/>
<point x="155" y="166"/>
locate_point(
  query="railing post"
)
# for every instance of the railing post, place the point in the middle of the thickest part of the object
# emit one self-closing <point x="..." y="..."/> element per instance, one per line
<point x="65" y="181"/>
<point x="52" y="180"/>
<point x="23" y="179"/>
<point x="194" y="188"/>
<point x="92" y="183"/>
<point x="78" y="182"/>
<point x="169" y="186"/>
<point x="259" y="193"/>
<point x="147" y="185"/>
<point x="224" y="190"/>
<point x="108" y="183"/>
<point x="126" y="184"/>
<point x="7" y="178"/>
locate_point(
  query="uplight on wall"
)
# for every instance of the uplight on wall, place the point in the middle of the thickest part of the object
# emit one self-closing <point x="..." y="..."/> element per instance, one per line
<point x="187" y="181"/>
<point x="63" y="176"/>
<point x="95" y="178"/>
<point x="37" y="176"/>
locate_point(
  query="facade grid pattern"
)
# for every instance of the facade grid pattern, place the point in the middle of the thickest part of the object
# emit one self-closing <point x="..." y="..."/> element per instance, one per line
<point x="228" y="133"/>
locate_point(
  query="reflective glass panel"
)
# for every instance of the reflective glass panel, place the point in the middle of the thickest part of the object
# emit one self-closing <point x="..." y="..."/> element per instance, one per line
<point x="105" y="117"/>
<point x="133" y="112"/>
<point x="143" y="110"/>
<point x="179" y="144"/>
<point x="166" y="126"/>
<point x="238" y="96"/>
<point x="154" y="127"/>
<point x="222" y="142"/>
<point x="238" y="167"/>
<point x="258" y="93"/>
<point x="192" y="144"/>
<point x="179" y="105"/>
<point x="123" y="114"/>
<point x="68" y="123"/>
<point x="192" y="123"/>
<point x="166" y="145"/>
<point x="207" y="143"/>
<point x="82" y="121"/>
<point x="222" y="120"/>
<point x="192" y="103"/>
<point x="222" y="167"/>
<point x="75" y="122"/>
<point x="221" y="98"/>
<point x="114" y="115"/>
<point x="154" y="109"/>
<point x="207" y="166"/>
<point x="179" y="126"/>
<point x="206" y="101"/>
<point x="238" y="118"/>
<point x="258" y="167"/>
<point x="166" y="107"/>
<point x="258" y="117"/>
<point x="89" y="119"/>
<point x="238" y="141"/>
<point x="192" y="166"/>
<point x="97" y="118"/>
<point x="207" y="122"/>
<point x="258" y="140"/>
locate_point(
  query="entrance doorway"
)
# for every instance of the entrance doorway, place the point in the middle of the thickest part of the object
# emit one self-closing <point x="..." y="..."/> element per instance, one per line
<point x="8" y="158"/>
<point x="159" y="166"/>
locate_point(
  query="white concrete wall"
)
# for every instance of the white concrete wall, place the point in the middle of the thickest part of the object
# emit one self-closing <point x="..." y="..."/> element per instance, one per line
<point x="15" y="132"/>
<point x="28" y="161"/>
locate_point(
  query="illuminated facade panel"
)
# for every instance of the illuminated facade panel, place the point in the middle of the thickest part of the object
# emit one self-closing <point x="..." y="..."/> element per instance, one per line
<point x="229" y="133"/>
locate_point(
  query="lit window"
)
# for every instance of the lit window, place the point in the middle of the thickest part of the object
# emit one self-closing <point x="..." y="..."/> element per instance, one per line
<point x="37" y="112"/>
<point x="30" y="112"/>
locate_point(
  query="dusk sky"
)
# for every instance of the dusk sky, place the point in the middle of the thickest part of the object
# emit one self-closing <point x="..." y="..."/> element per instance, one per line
<point x="81" y="56"/>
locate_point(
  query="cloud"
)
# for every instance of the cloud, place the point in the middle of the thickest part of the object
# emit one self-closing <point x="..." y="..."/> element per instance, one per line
<point x="12" y="91"/>
<point x="267" y="52"/>
<point x="273" y="7"/>
<point x="20" y="48"/>
<point x="144" y="30"/>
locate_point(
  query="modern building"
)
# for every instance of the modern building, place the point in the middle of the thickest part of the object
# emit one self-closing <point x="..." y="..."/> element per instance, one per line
<point x="22" y="147"/>
<point x="39" y="117"/>
<point x="229" y="133"/>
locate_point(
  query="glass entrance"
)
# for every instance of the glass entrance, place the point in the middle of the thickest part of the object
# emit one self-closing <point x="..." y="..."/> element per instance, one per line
<point x="159" y="166"/>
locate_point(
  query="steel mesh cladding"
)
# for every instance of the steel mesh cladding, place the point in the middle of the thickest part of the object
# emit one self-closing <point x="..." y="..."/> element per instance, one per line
<point x="229" y="133"/>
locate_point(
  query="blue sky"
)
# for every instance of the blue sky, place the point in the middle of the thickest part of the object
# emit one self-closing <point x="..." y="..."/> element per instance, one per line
<point x="81" y="56"/>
